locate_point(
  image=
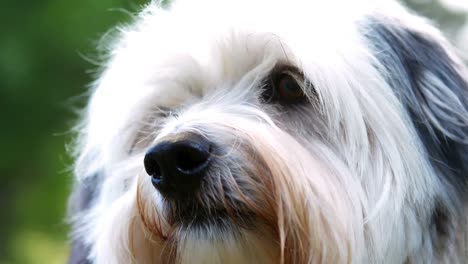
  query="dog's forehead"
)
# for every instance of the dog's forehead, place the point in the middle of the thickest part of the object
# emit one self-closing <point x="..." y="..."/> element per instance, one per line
<point x="170" y="55"/>
<point x="203" y="43"/>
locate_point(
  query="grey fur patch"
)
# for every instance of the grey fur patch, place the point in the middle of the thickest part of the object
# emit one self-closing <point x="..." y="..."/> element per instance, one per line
<point x="81" y="199"/>
<point x="431" y="87"/>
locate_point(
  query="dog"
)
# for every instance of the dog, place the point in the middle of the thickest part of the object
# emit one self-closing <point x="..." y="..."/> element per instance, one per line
<point x="274" y="132"/>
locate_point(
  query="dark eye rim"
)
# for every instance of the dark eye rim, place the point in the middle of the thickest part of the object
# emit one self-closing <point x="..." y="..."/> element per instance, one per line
<point x="271" y="93"/>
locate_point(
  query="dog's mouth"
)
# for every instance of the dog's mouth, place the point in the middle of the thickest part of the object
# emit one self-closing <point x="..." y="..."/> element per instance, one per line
<point x="195" y="215"/>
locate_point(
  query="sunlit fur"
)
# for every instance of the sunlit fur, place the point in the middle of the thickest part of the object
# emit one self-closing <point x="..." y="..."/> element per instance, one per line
<point x="344" y="178"/>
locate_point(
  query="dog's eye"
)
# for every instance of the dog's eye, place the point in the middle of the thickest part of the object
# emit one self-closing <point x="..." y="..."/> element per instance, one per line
<point x="283" y="87"/>
<point x="288" y="89"/>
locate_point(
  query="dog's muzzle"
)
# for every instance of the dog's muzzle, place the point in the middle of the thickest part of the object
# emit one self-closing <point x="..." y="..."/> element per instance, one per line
<point x="177" y="164"/>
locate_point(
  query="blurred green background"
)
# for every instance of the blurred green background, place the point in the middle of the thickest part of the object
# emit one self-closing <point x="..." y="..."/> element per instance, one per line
<point x="43" y="75"/>
<point x="43" y="72"/>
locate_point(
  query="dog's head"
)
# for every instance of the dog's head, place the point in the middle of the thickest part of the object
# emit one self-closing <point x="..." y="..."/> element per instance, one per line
<point x="234" y="132"/>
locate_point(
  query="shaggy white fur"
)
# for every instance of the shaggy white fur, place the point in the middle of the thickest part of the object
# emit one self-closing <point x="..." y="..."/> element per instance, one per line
<point x="369" y="169"/>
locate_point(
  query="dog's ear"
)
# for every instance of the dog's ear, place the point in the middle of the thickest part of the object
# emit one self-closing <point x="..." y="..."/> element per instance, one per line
<point x="431" y="83"/>
<point x="80" y="200"/>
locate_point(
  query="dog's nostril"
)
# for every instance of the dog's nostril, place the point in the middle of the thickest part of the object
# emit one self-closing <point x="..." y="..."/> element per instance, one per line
<point x="152" y="167"/>
<point x="190" y="159"/>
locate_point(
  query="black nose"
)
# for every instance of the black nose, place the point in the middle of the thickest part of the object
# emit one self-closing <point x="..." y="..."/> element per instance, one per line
<point x="177" y="165"/>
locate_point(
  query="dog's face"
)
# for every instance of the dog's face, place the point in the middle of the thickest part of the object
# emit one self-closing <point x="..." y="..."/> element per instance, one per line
<point x="270" y="132"/>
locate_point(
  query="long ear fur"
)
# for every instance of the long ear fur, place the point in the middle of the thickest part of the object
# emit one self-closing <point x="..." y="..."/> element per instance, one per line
<point x="432" y="84"/>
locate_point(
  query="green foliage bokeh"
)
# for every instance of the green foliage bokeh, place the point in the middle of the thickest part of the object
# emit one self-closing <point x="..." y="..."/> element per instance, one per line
<point x="44" y="71"/>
